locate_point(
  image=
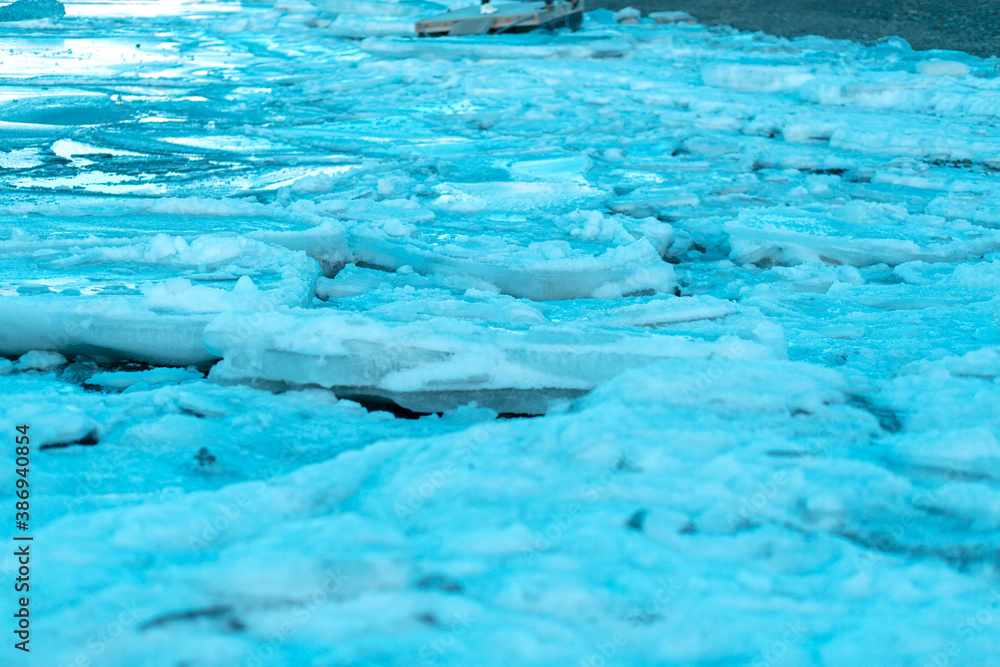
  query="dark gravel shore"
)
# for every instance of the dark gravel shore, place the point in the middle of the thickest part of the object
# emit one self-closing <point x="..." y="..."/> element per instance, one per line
<point x="963" y="25"/>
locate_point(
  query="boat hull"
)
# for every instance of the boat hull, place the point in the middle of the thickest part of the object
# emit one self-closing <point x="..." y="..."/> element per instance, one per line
<point x="512" y="17"/>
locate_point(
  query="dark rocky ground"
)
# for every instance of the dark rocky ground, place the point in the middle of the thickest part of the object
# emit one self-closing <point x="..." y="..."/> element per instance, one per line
<point x="963" y="25"/>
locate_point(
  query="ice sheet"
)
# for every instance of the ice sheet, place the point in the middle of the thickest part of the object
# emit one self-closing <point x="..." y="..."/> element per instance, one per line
<point x="748" y="285"/>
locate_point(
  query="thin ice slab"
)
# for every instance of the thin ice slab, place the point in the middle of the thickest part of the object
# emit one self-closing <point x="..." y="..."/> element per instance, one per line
<point x="441" y="363"/>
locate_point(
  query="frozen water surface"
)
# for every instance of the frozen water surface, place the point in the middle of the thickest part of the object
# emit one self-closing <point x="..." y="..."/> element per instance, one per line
<point x="274" y="277"/>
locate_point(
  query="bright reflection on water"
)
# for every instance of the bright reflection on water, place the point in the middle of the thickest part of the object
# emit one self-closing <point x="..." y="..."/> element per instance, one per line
<point x="150" y="8"/>
<point x="93" y="103"/>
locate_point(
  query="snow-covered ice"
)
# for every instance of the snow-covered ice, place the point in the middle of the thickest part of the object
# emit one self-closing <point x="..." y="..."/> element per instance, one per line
<point x="649" y="344"/>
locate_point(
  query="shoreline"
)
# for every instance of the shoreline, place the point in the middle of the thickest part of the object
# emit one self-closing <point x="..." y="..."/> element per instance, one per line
<point x="963" y="25"/>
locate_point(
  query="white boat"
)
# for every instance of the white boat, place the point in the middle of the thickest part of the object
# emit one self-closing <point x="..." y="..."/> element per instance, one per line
<point x="508" y="17"/>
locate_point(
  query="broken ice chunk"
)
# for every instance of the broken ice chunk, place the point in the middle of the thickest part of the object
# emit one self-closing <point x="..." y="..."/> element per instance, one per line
<point x="127" y="301"/>
<point x="441" y="363"/>
<point x="859" y="236"/>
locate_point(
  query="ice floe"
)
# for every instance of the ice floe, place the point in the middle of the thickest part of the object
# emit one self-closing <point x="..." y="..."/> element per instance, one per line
<point x="281" y="283"/>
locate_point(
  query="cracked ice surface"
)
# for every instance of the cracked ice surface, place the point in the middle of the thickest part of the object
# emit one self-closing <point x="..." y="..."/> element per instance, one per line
<point x="749" y="284"/>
